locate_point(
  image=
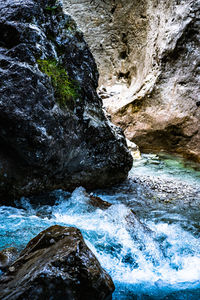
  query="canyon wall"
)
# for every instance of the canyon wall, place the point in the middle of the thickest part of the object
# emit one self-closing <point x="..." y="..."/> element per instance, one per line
<point x="147" y="53"/>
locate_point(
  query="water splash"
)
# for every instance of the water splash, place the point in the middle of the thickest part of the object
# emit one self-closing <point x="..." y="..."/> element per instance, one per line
<point x="151" y="250"/>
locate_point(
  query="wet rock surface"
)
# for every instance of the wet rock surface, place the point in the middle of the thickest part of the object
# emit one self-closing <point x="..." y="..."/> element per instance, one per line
<point x="56" y="264"/>
<point x="7" y="256"/>
<point x="96" y="201"/>
<point x="148" y="56"/>
<point x="53" y="131"/>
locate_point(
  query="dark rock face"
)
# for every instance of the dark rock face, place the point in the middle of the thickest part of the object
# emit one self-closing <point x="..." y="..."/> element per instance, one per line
<point x="7" y="256"/>
<point x="56" y="264"/>
<point x="51" y="135"/>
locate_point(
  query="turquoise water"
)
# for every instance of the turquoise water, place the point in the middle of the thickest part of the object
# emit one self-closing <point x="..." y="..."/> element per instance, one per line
<point x="153" y="253"/>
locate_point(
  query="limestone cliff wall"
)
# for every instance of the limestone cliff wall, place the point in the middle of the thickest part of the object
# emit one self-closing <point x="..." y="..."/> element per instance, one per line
<point x="116" y="33"/>
<point x="148" y="57"/>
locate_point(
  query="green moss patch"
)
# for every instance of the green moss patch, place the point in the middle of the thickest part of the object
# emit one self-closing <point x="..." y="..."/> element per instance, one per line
<point x="51" y="8"/>
<point x="70" y="25"/>
<point x="66" y="90"/>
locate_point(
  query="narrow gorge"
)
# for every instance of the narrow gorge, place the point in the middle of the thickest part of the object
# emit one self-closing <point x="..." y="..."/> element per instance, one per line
<point x="147" y="53"/>
<point x="99" y="150"/>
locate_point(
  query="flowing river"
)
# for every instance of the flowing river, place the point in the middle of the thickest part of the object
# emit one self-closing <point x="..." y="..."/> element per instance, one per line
<point x="148" y="240"/>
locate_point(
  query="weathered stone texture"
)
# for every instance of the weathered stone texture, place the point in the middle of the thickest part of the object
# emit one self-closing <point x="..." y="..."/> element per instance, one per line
<point x="50" y="138"/>
<point x="56" y="264"/>
<point x="156" y="101"/>
<point x="115" y="31"/>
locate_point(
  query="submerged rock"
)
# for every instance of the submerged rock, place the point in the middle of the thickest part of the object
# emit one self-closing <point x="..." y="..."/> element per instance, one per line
<point x="56" y="264"/>
<point x="96" y="201"/>
<point x="53" y="132"/>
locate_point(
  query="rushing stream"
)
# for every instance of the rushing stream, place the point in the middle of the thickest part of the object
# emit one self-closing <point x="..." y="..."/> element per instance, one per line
<point x="148" y="240"/>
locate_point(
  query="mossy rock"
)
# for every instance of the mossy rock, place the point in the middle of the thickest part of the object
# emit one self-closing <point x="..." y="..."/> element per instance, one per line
<point x="66" y="90"/>
<point x="51" y="8"/>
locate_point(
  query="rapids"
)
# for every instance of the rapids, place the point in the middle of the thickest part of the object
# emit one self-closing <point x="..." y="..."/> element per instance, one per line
<point x="153" y="253"/>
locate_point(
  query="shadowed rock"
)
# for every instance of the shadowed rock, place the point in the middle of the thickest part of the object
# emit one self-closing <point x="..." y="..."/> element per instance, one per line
<point x="56" y="264"/>
<point x="53" y="132"/>
<point x="7" y="256"/>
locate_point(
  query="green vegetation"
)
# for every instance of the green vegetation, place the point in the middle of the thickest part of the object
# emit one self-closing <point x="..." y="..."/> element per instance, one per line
<point x="66" y="90"/>
<point x="51" y="8"/>
<point x="70" y="25"/>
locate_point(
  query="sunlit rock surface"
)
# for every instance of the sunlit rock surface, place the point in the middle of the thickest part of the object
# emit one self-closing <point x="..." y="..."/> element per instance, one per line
<point x="148" y="56"/>
<point x="56" y="264"/>
<point x="53" y="132"/>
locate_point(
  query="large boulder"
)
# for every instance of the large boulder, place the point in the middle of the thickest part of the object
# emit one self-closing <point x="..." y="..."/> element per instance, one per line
<point x="148" y="57"/>
<point x="56" y="264"/>
<point x="53" y="132"/>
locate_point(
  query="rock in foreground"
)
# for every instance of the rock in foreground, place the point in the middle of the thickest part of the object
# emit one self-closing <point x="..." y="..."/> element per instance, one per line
<point x="53" y="132"/>
<point x="7" y="256"/>
<point x="56" y="264"/>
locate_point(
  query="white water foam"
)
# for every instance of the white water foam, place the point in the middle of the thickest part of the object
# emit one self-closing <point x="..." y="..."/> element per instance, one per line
<point x="154" y="255"/>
